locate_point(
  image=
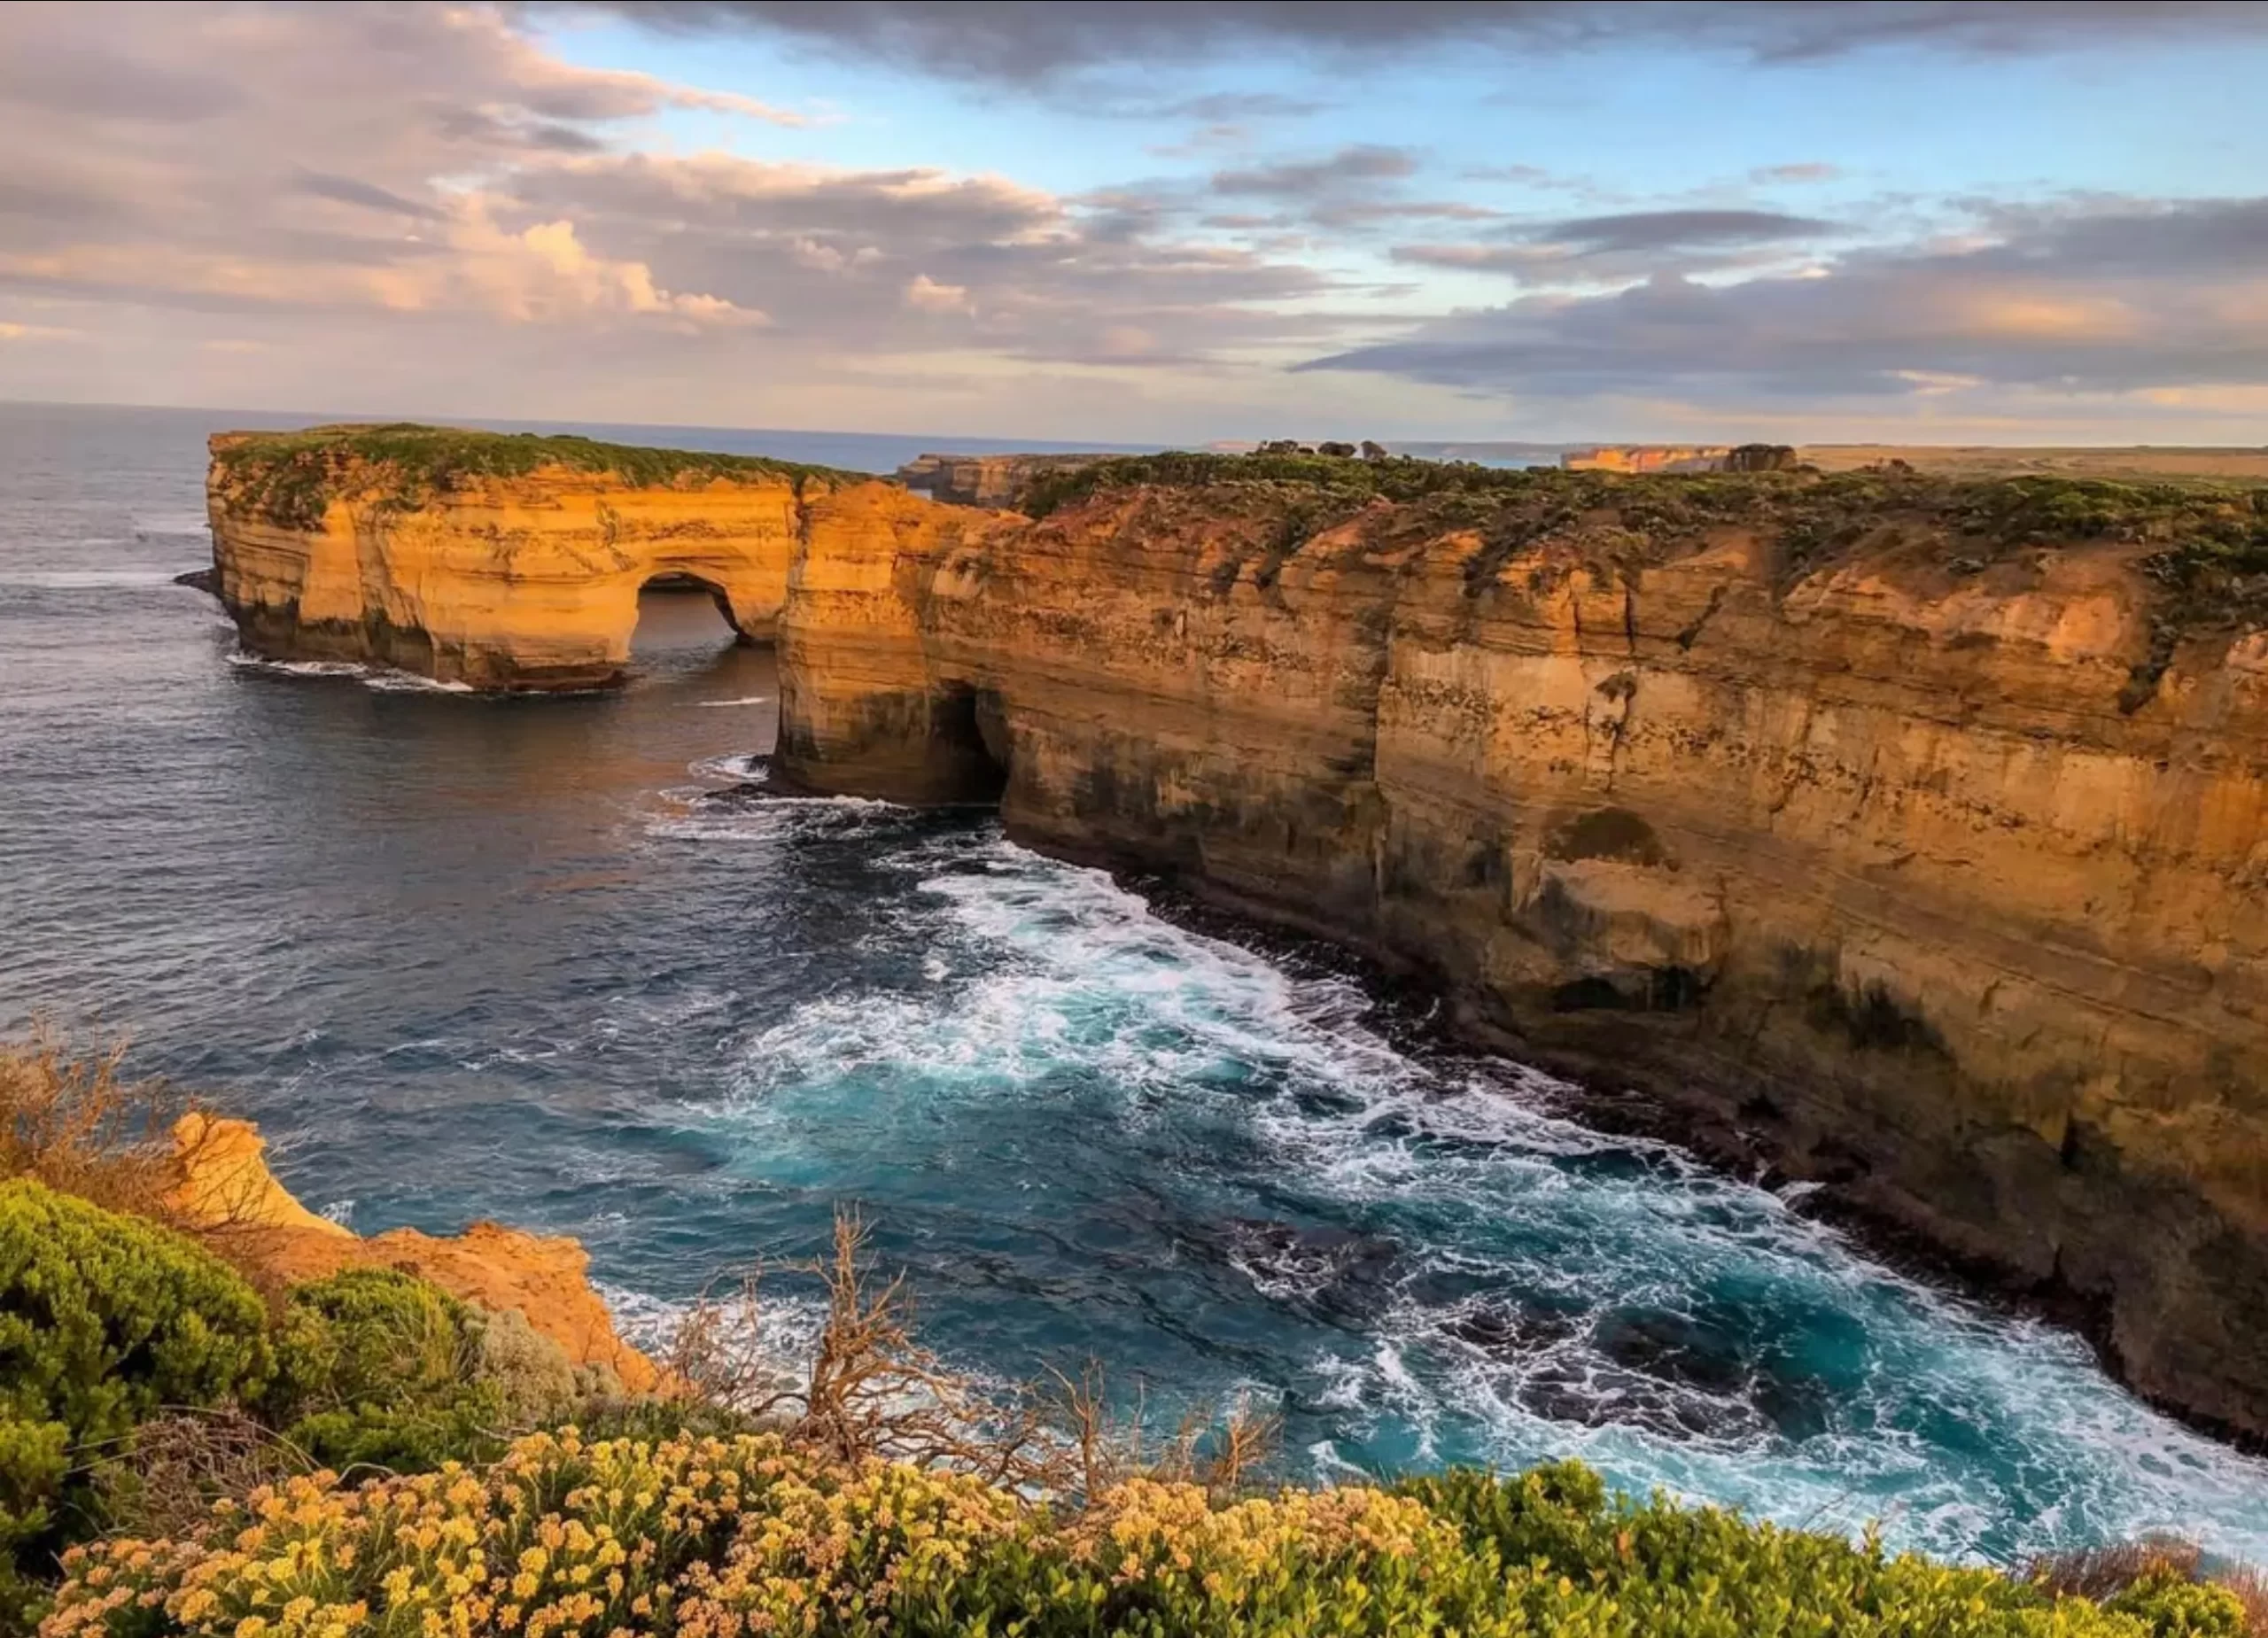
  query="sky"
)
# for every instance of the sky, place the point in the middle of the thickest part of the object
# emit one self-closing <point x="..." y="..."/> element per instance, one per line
<point x="2034" y="222"/>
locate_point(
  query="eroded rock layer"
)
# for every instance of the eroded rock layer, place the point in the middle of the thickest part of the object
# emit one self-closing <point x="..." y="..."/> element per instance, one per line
<point x="227" y="1189"/>
<point x="1889" y="864"/>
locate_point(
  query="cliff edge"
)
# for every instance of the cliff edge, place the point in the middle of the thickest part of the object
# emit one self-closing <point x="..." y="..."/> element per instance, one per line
<point x="1910" y="831"/>
<point x="227" y="1191"/>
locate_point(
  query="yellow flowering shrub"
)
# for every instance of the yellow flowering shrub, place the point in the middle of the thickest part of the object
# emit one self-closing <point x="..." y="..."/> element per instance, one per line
<point x="559" y="1537"/>
<point x="708" y="1538"/>
<point x="104" y="1319"/>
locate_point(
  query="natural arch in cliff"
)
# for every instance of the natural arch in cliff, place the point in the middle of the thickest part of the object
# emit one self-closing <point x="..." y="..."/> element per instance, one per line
<point x="674" y="610"/>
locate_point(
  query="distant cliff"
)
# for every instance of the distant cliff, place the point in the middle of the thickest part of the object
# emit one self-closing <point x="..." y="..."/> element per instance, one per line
<point x="986" y="480"/>
<point x="1646" y="458"/>
<point x="497" y="561"/>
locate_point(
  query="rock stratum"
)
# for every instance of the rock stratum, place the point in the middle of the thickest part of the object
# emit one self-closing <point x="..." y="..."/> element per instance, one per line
<point x="987" y="480"/>
<point x="1910" y="831"/>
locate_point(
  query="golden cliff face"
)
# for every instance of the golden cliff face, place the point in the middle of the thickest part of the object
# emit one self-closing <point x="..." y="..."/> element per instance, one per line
<point x="1876" y="868"/>
<point x="517" y="570"/>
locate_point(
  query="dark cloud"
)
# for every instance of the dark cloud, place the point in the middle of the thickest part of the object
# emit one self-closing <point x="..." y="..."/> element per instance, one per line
<point x="2116" y="296"/>
<point x="1035" y="40"/>
<point x="1231" y="107"/>
<point x="1626" y="246"/>
<point x="1649" y="230"/>
<point x="347" y="190"/>
<point x="1352" y="167"/>
<point x="1358" y="213"/>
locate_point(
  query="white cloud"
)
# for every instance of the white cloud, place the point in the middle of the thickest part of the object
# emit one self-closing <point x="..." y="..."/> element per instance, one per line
<point x="925" y="295"/>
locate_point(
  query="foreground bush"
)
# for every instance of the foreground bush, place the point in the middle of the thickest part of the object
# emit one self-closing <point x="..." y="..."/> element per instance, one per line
<point x="706" y="1538"/>
<point x="381" y="1369"/>
<point x="104" y="1320"/>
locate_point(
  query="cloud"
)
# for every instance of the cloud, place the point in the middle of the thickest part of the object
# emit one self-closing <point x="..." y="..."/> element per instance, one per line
<point x="1626" y="246"/>
<point x="347" y="190"/>
<point x="1035" y="41"/>
<point x="427" y="172"/>
<point x="2113" y="297"/>
<point x="925" y="295"/>
<point x="1354" y="212"/>
<point x="1352" y="167"/>
<point x="1809" y="170"/>
<point x="1649" y="230"/>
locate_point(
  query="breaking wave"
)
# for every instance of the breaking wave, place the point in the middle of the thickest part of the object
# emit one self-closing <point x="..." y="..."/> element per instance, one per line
<point x="1424" y="1252"/>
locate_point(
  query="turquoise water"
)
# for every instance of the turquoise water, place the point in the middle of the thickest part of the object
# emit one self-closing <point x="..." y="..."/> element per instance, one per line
<point x="551" y="961"/>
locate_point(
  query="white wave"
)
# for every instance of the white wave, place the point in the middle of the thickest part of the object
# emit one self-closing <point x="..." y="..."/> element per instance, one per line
<point x="767" y="1342"/>
<point x="1944" y="1418"/>
<point x="753" y="699"/>
<point x="773" y="818"/>
<point x="749" y="767"/>
<point x="382" y="679"/>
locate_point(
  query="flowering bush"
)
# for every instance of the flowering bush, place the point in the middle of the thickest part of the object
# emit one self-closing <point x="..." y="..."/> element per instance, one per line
<point x="103" y="1319"/>
<point x="710" y="1537"/>
<point x="379" y="1368"/>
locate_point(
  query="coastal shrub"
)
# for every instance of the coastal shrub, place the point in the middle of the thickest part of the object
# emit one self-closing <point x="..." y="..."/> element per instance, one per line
<point x="706" y="1538"/>
<point x="72" y="1119"/>
<point x="381" y="1369"/>
<point x="104" y="1319"/>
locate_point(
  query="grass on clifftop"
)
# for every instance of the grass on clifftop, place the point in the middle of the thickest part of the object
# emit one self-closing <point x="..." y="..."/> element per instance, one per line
<point x="2207" y="556"/>
<point x="290" y="477"/>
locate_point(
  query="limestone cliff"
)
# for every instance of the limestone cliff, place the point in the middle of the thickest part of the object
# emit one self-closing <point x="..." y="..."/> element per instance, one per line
<point x="1917" y="834"/>
<point x="495" y="561"/>
<point x="1912" y="831"/>
<point x="227" y="1188"/>
<point x="986" y="480"/>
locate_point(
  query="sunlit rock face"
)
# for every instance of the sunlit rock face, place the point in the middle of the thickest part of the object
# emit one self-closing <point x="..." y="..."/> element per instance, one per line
<point x="513" y="581"/>
<point x="225" y="1188"/>
<point x="1870" y="869"/>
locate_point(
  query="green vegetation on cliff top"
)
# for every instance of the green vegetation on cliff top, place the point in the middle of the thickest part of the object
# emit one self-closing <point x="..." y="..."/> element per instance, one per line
<point x="290" y="477"/>
<point x="2205" y="544"/>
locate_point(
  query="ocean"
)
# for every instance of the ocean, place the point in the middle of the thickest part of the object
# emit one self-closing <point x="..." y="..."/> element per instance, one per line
<point x="539" y="960"/>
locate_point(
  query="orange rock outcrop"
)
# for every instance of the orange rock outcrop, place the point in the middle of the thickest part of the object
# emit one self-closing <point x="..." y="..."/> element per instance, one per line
<point x="227" y="1189"/>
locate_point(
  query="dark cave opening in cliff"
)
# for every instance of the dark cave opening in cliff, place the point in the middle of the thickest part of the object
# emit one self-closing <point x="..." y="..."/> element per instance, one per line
<point x="680" y="614"/>
<point x="969" y="736"/>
